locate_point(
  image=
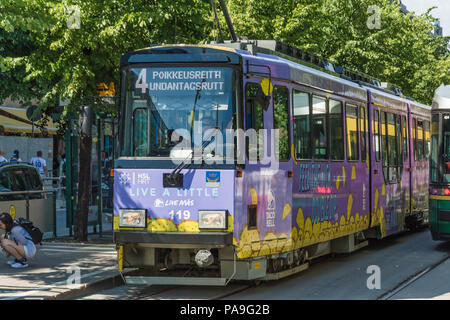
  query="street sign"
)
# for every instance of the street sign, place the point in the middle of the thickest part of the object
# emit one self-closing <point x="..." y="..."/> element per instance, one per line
<point x="34" y="113"/>
<point x="106" y="91"/>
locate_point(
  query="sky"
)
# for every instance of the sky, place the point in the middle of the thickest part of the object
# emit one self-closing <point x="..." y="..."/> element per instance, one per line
<point x="442" y="12"/>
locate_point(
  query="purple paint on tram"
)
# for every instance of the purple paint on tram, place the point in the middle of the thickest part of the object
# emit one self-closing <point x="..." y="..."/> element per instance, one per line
<point x="351" y="164"/>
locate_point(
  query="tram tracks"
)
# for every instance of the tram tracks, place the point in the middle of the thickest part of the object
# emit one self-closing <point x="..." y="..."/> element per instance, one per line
<point x="172" y="292"/>
<point x="165" y="292"/>
<point x="402" y="285"/>
<point x="189" y="293"/>
<point x="411" y="268"/>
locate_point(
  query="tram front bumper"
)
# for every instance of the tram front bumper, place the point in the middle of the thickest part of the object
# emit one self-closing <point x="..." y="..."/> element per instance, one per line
<point x="176" y="239"/>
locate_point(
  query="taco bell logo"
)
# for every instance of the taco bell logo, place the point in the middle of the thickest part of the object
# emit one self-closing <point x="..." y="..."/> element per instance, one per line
<point x="271" y="201"/>
<point x="270" y="213"/>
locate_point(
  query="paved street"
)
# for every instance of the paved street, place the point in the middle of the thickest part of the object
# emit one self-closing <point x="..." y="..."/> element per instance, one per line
<point x="342" y="277"/>
<point x="345" y="277"/>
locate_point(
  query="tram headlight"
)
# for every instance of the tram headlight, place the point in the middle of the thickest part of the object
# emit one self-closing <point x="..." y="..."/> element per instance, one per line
<point x="212" y="219"/>
<point x="134" y="218"/>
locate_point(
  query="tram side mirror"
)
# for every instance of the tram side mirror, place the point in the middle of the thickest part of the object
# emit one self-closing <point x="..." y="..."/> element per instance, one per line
<point x="263" y="100"/>
<point x="174" y="137"/>
<point x="264" y="93"/>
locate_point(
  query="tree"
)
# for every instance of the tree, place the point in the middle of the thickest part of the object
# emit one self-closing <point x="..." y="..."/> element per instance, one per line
<point x="15" y="44"/>
<point x="400" y="50"/>
<point x="79" y="44"/>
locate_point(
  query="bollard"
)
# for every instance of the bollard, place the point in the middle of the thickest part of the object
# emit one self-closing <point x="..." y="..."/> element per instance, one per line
<point x="54" y="212"/>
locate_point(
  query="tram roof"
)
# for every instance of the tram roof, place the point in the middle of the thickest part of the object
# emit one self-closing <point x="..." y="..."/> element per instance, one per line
<point x="305" y="75"/>
<point x="283" y="68"/>
<point x="180" y="53"/>
<point x="223" y="53"/>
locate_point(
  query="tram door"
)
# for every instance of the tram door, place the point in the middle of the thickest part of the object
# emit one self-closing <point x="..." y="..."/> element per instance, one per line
<point x="268" y="180"/>
<point x="407" y="172"/>
<point x="409" y="131"/>
<point x="390" y="174"/>
<point x="377" y="179"/>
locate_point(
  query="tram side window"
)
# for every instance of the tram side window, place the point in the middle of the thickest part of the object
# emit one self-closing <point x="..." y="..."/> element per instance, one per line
<point x="398" y="145"/>
<point x="363" y="128"/>
<point x="414" y="138"/>
<point x="427" y="139"/>
<point x="384" y="144"/>
<point x="319" y="128"/>
<point x="352" y="132"/>
<point x="140" y="132"/>
<point x="434" y="161"/>
<point x="420" y="144"/>
<point x="392" y="147"/>
<point x="336" y="126"/>
<point x="254" y="118"/>
<point x="376" y="135"/>
<point x="281" y="121"/>
<point x="405" y="139"/>
<point x="302" y="129"/>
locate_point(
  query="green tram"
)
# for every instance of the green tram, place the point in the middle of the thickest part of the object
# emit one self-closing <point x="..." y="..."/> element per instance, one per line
<point x="440" y="165"/>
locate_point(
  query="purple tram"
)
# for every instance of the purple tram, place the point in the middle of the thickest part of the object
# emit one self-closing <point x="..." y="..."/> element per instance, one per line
<point x="302" y="161"/>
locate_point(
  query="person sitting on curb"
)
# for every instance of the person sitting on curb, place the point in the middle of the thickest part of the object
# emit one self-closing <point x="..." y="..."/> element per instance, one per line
<point x="19" y="243"/>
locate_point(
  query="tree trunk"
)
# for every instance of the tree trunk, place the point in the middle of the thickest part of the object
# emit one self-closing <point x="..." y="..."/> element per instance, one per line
<point x="84" y="174"/>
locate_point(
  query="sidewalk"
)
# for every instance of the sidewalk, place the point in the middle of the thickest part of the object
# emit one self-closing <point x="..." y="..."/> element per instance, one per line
<point x="53" y="271"/>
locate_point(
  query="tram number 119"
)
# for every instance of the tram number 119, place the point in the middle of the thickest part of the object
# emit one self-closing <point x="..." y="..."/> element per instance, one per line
<point x="181" y="215"/>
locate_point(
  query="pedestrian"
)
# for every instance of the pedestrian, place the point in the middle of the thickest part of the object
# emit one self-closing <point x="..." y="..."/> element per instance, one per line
<point x="15" y="157"/>
<point x="40" y="164"/>
<point x="2" y="157"/>
<point x="62" y="170"/>
<point x="17" y="245"/>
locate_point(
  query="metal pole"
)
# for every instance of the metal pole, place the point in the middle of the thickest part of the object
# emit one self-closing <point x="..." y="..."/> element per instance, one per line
<point x="69" y="205"/>
<point x="54" y="212"/>
<point x="99" y="178"/>
<point x="228" y="20"/>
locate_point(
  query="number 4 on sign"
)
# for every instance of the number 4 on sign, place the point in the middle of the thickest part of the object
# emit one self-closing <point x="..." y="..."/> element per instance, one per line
<point x="141" y="82"/>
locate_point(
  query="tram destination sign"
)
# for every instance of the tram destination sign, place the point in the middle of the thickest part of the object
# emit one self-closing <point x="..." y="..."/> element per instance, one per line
<point x="210" y="81"/>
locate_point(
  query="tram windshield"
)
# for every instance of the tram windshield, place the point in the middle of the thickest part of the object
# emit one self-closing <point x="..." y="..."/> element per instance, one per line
<point x="167" y="109"/>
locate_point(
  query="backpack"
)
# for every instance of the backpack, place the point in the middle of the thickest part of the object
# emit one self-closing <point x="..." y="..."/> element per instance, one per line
<point x="34" y="232"/>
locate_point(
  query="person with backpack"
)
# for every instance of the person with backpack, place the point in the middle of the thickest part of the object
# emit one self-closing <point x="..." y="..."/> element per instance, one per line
<point x="18" y="244"/>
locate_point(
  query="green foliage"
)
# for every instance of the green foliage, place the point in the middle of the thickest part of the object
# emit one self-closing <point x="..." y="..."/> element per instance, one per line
<point x="402" y="51"/>
<point x="281" y="120"/>
<point x="13" y="46"/>
<point x="69" y="62"/>
<point x="41" y="57"/>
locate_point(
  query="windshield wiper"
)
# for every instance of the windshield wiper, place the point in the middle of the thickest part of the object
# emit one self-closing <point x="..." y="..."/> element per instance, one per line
<point x="184" y="164"/>
<point x="175" y="178"/>
<point x="197" y="97"/>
